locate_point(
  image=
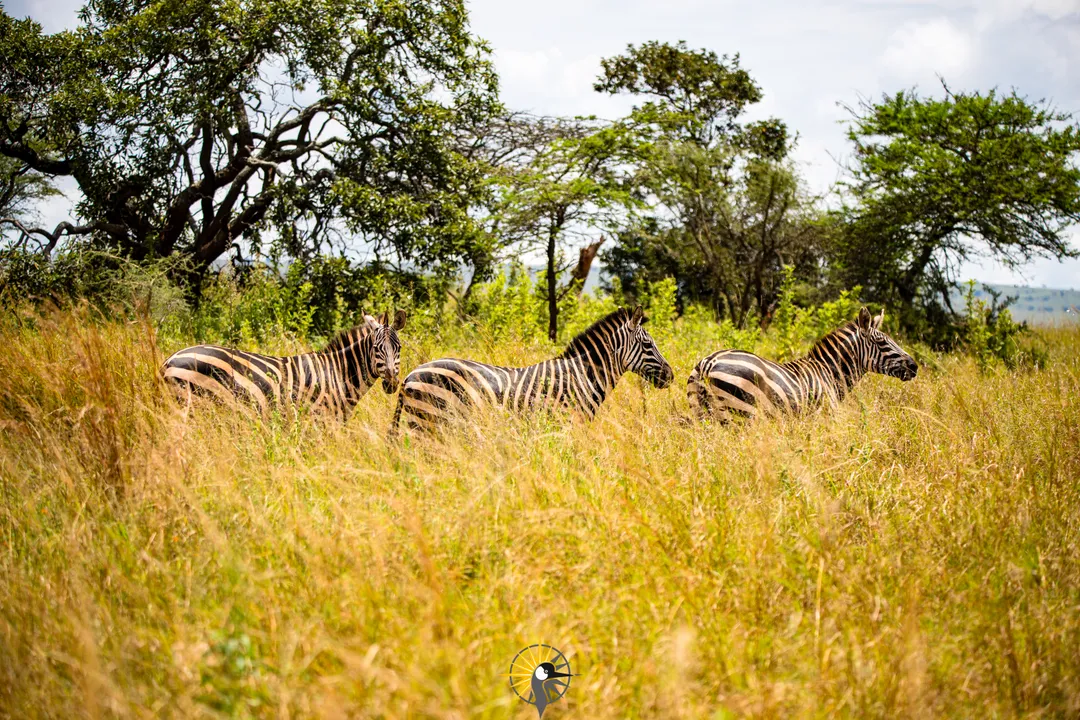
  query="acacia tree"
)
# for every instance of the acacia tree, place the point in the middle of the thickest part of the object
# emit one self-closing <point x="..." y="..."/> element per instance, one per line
<point x="934" y="182"/>
<point x="188" y="125"/>
<point x="728" y="212"/>
<point x="499" y="147"/>
<point x="568" y="181"/>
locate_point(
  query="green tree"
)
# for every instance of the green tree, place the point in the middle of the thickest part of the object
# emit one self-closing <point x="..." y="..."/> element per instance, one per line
<point x="692" y="95"/>
<point x="934" y="182"/>
<point x="500" y="147"/>
<point x="568" y="183"/>
<point x="729" y="211"/>
<point x="188" y="125"/>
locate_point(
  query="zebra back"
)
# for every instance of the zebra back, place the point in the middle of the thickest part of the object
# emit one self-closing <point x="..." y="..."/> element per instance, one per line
<point x="734" y="382"/>
<point x="332" y="380"/>
<point x="579" y="378"/>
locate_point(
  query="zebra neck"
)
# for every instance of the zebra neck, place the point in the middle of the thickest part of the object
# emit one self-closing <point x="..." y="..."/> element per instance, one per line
<point x="593" y="378"/>
<point x="602" y="369"/>
<point x="353" y="369"/>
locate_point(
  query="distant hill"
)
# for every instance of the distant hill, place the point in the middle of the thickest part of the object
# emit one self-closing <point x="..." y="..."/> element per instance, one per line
<point x="1036" y="306"/>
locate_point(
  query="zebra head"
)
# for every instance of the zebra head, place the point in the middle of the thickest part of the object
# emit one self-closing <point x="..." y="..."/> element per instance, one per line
<point x="640" y="354"/>
<point x="384" y="359"/>
<point x="883" y="354"/>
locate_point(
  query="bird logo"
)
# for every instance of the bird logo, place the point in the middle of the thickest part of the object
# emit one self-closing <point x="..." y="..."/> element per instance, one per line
<point x="540" y="675"/>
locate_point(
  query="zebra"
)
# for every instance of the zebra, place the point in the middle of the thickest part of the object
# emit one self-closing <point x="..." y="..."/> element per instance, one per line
<point x="737" y="383"/>
<point x="330" y="381"/>
<point x="579" y="378"/>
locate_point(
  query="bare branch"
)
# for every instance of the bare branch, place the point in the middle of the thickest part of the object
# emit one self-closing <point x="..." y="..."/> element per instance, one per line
<point x="64" y="229"/>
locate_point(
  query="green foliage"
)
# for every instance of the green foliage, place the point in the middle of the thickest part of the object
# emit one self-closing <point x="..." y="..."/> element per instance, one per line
<point x="110" y="283"/>
<point x="694" y="95"/>
<point x="509" y="307"/>
<point x="784" y="320"/>
<point x="659" y="304"/>
<point x="991" y="335"/>
<point x="796" y="328"/>
<point x="306" y="302"/>
<point x="231" y="675"/>
<point x="171" y="119"/>
<point x="728" y="211"/>
<point x="568" y="182"/>
<point x="263" y="306"/>
<point x="20" y="190"/>
<point x="934" y="181"/>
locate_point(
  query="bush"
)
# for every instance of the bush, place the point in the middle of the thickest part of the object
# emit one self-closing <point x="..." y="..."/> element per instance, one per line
<point x="797" y="328"/>
<point x="991" y="335"/>
<point x="112" y="284"/>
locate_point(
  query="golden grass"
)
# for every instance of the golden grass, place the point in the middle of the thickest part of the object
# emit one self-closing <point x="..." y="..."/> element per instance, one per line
<point x="913" y="554"/>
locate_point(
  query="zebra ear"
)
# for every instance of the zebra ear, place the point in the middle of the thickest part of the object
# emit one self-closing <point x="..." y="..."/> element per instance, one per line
<point x="879" y="319"/>
<point x="864" y="320"/>
<point x="637" y="316"/>
<point x="399" y="319"/>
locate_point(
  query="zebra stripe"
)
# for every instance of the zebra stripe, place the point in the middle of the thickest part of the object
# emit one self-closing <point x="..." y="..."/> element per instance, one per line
<point x="733" y="382"/>
<point x="580" y="378"/>
<point x="330" y="381"/>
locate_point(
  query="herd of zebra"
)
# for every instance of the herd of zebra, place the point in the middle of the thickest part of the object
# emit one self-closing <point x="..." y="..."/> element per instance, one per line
<point x="724" y="384"/>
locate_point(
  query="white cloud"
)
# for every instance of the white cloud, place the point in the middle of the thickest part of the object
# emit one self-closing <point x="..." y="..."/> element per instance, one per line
<point x="548" y="81"/>
<point x="1006" y="10"/>
<point x="920" y="49"/>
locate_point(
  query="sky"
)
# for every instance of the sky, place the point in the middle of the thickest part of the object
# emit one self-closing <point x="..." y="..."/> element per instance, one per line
<point x="808" y="57"/>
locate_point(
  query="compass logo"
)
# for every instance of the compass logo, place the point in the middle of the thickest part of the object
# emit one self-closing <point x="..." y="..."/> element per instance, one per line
<point x="540" y="675"/>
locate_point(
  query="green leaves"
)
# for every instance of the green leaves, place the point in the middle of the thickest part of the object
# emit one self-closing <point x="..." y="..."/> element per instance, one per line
<point x="561" y="179"/>
<point x="693" y="93"/>
<point x="936" y="181"/>
<point x="191" y="124"/>
<point x="728" y="212"/>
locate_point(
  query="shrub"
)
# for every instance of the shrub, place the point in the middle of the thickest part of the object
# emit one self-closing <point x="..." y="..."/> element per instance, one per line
<point x="991" y="335"/>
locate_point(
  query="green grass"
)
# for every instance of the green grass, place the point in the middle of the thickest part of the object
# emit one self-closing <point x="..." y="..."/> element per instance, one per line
<point x="914" y="553"/>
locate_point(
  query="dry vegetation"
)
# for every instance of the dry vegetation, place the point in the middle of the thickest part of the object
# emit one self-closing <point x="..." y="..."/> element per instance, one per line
<point x="913" y="554"/>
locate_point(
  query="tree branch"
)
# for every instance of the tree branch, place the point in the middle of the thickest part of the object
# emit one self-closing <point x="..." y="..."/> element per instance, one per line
<point x="64" y="229"/>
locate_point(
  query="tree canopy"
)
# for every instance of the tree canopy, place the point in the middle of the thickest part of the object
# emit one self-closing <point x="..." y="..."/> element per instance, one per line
<point x="727" y="210"/>
<point x="189" y="125"/>
<point x="352" y="137"/>
<point x="936" y="181"/>
<point x="565" y="183"/>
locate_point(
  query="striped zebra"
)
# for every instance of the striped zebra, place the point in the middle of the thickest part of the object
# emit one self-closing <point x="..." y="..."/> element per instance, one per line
<point x="733" y="382"/>
<point x="580" y="378"/>
<point x="330" y="381"/>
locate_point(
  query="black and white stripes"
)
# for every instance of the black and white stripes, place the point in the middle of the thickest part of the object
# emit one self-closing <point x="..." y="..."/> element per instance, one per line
<point x="733" y="382"/>
<point x="330" y="381"/>
<point x="581" y="377"/>
<point x="725" y="383"/>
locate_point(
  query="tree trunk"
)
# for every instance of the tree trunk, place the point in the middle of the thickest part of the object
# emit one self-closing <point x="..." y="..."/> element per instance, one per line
<point x="906" y="288"/>
<point x="552" y="281"/>
<point x="584" y="265"/>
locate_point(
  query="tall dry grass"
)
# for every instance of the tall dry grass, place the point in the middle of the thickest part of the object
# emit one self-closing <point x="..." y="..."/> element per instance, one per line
<point x="913" y="554"/>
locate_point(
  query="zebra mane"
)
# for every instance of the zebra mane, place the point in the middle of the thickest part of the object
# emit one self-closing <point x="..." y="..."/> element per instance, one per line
<point x="345" y="338"/>
<point x="832" y="333"/>
<point x="577" y="346"/>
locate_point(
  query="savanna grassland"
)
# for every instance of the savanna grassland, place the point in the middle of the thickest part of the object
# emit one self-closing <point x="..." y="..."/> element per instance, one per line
<point x="914" y="553"/>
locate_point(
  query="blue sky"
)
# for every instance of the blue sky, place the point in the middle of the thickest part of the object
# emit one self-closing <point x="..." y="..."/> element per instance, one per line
<point x="807" y="56"/>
